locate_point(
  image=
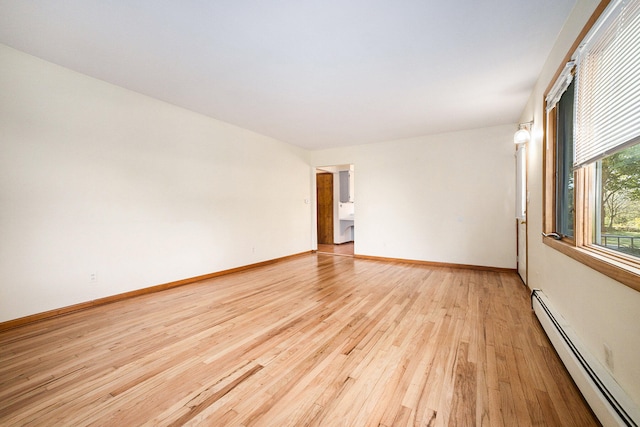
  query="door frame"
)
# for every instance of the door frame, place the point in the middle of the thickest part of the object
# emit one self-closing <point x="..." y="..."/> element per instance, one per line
<point x="335" y="170"/>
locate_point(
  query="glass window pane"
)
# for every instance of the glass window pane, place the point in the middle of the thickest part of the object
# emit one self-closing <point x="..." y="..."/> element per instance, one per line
<point x="618" y="204"/>
<point x="564" y="164"/>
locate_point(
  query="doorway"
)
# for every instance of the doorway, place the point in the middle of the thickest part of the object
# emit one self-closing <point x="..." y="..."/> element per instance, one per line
<point x="521" y="210"/>
<point x="335" y="209"/>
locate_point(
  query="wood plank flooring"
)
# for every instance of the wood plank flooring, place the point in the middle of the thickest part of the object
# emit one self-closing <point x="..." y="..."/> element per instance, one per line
<point x="317" y="340"/>
<point x="342" y="249"/>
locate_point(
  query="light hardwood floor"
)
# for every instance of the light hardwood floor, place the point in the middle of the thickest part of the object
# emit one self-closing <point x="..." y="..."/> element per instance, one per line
<point x="316" y="340"/>
<point x="343" y="249"/>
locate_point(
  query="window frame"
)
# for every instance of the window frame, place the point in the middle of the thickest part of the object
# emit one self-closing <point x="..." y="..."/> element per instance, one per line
<point x="620" y="267"/>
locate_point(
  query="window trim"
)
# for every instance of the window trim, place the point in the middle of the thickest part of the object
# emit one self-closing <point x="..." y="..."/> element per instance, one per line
<point x="617" y="266"/>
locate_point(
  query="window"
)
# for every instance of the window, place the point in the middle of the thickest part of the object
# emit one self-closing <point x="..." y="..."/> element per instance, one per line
<point x="592" y="155"/>
<point x="564" y="163"/>
<point x="617" y="202"/>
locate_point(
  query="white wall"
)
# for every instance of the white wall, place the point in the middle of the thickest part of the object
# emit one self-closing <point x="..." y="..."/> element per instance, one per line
<point x="444" y="198"/>
<point x="98" y="179"/>
<point x="600" y="310"/>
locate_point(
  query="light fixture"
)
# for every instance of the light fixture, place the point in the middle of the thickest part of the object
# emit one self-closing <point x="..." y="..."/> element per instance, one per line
<point x="523" y="134"/>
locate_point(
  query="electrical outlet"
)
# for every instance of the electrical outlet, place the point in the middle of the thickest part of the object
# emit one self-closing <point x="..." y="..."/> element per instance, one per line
<point x="608" y="357"/>
<point x="93" y="277"/>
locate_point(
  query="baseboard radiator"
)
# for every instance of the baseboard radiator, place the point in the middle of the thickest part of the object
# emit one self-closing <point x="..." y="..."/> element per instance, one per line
<point x="606" y="398"/>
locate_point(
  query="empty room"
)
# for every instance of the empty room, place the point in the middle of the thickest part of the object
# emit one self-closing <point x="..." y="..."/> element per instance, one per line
<point x="320" y="213"/>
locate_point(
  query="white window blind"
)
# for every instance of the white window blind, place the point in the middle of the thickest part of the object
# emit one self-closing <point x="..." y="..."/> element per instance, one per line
<point x="608" y="84"/>
<point x="560" y="86"/>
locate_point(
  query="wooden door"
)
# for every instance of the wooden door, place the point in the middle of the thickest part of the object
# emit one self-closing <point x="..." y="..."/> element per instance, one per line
<point x="324" y="194"/>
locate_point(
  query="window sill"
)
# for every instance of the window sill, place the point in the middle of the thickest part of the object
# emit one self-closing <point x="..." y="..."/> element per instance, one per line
<point x="616" y="267"/>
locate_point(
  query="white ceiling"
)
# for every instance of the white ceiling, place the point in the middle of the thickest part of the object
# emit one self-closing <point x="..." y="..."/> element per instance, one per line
<point x="313" y="73"/>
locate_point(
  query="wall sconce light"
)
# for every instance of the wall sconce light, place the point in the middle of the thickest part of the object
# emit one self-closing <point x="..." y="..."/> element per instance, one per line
<point x="523" y="134"/>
